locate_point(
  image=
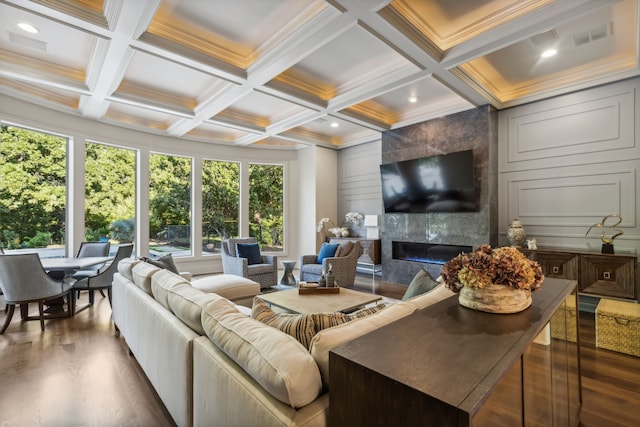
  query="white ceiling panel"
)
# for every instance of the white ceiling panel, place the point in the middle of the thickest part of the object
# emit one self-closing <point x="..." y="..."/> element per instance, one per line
<point x="277" y="73"/>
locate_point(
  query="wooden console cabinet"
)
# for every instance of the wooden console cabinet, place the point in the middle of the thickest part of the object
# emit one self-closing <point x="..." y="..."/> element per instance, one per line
<point x="601" y="275"/>
<point x="447" y="365"/>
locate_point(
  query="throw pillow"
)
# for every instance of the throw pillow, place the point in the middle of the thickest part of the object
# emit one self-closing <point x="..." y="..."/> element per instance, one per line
<point x="299" y="326"/>
<point x="303" y="327"/>
<point x="165" y="261"/>
<point x="327" y="250"/>
<point x="329" y="320"/>
<point x="344" y="249"/>
<point x="421" y="283"/>
<point x="250" y="251"/>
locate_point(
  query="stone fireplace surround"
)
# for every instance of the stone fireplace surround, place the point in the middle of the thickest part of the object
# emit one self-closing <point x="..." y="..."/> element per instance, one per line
<point x="475" y="129"/>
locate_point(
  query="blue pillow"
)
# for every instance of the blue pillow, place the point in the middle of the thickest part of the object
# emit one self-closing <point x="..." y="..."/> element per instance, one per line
<point x="327" y="250"/>
<point x="250" y="251"/>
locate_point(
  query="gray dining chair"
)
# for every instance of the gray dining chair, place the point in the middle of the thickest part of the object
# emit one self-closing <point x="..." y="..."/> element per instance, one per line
<point x="103" y="279"/>
<point x="91" y="249"/>
<point x="23" y="281"/>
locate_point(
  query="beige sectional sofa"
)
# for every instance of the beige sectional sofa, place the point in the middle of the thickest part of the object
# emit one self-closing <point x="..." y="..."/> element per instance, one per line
<point x="214" y="365"/>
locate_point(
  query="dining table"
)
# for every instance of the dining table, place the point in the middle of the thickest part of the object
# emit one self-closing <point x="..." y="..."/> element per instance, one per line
<point x="72" y="264"/>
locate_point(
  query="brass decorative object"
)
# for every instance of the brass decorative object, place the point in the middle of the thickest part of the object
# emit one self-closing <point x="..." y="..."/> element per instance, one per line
<point x="607" y="242"/>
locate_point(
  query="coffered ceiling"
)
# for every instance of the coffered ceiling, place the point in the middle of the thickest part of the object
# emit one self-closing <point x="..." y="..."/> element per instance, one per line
<point x="290" y="73"/>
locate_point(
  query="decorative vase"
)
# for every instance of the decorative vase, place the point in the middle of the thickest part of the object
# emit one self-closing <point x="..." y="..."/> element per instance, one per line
<point x="495" y="299"/>
<point x="345" y="232"/>
<point x="516" y="235"/>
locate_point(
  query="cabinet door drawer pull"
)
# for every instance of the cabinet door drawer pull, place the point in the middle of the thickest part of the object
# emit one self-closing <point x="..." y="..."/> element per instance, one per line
<point x="622" y="321"/>
<point x="555" y="269"/>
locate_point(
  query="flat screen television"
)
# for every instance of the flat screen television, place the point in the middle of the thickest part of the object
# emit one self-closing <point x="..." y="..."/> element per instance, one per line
<point x="442" y="183"/>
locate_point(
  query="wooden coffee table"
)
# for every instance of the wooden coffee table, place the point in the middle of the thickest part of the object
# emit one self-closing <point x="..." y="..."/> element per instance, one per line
<point x="345" y="300"/>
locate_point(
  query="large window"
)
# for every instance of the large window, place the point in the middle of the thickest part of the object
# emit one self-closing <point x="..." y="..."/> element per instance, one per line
<point x="266" y="208"/>
<point x="169" y="205"/>
<point x="220" y="203"/>
<point x="32" y="190"/>
<point x="110" y="174"/>
<point x="34" y="168"/>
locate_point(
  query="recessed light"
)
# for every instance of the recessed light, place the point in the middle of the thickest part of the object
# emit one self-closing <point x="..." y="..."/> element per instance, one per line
<point x="28" y="28"/>
<point x="334" y="124"/>
<point x="413" y="99"/>
<point x="549" y="53"/>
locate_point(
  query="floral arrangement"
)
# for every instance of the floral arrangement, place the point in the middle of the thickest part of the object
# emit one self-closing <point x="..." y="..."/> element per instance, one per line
<point x="322" y="223"/>
<point x="501" y="266"/>
<point x="326" y="222"/>
<point x="354" y="217"/>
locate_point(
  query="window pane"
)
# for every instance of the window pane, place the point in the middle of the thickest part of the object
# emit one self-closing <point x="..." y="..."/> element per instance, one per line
<point x="220" y="203"/>
<point x="32" y="190"/>
<point x="169" y="205"/>
<point x="266" y="205"/>
<point x="110" y="175"/>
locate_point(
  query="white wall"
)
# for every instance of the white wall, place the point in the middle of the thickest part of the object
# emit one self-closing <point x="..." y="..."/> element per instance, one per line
<point x="20" y="113"/>
<point x="566" y="162"/>
<point x="359" y="188"/>
<point x="326" y="174"/>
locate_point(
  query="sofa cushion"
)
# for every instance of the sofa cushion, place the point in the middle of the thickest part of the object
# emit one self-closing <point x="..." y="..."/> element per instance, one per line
<point x="329" y="338"/>
<point x="250" y="251"/>
<point x="435" y="295"/>
<point x="142" y="273"/>
<point x="230" y="286"/>
<point x="161" y="284"/>
<point x="277" y="361"/>
<point x="125" y="265"/>
<point x="327" y="250"/>
<point x="187" y="304"/>
<point x="299" y="326"/>
<point x="422" y="282"/>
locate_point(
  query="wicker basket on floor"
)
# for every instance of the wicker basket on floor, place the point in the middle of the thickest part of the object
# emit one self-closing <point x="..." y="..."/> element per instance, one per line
<point x="564" y="323"/>
<point x="618" y="326"/>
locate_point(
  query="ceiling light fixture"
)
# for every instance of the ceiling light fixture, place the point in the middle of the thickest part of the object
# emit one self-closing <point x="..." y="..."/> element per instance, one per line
<point x="24" y="26"/>
<point x="548" y="53"/>
<point x="334" y="124"/>
<point x="413" y="99"/>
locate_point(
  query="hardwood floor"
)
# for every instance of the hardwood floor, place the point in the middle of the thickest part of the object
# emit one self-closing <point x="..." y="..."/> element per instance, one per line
<point x="78" y="372"/>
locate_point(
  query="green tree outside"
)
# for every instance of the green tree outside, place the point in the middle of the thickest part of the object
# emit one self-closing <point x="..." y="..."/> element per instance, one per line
<point x="220" y="202"/>
<point x="266" y="206"/>
<point x="170" y="199"/>
<point x="109" y="191"/>
<point x="32" y="186"/>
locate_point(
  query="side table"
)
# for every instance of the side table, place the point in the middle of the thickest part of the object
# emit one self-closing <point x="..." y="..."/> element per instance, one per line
<point x="287" y="277"/>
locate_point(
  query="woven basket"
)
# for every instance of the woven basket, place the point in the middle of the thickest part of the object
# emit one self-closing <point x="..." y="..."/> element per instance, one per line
<point x="564" y="321"/>
<point x="618" y="326"/>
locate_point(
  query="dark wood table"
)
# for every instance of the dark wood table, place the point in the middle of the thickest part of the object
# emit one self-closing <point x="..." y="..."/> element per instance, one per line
<point x="447" y="365"/>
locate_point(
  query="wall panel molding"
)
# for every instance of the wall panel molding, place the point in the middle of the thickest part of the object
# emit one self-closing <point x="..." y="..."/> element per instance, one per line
<point x="588" y="127"/>
<point x="567" y="162"/>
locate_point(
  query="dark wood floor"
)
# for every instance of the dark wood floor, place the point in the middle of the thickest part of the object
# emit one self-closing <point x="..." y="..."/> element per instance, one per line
<point x="78" y="373"/>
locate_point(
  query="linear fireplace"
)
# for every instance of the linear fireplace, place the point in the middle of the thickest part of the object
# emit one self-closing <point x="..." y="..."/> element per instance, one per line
<point x="431" y="253"/>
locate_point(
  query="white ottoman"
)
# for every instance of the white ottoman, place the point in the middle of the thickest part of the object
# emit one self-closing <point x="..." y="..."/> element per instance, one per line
<point x="238" y="289"/>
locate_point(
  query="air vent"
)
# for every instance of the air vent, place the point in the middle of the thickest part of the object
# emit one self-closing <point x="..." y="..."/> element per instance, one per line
<point x="544" y="40"/>
<point x="27" y="42"/>
<point x="596" y="33"/>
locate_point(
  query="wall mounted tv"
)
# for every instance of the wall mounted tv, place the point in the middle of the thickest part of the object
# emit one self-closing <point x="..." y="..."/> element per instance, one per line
<point x="442" y="183"/>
